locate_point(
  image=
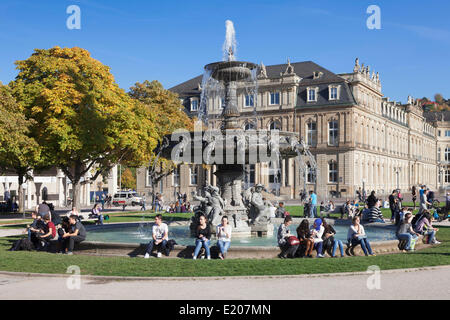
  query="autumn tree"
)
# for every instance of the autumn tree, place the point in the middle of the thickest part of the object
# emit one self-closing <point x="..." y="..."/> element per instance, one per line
<point x="19" y="153"/>
<point x="128" y="179"/>
<point x="83" y="120"/>
<point x="169" y="116"/>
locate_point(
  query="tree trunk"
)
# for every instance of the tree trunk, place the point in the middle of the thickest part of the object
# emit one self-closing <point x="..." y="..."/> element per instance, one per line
<point x="21" y="195"/>
<point x="76" y="201"/>
<point x="76" y="185"/>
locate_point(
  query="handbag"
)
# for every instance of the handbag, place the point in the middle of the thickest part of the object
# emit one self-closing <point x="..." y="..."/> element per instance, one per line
<point x="293" y="241"/>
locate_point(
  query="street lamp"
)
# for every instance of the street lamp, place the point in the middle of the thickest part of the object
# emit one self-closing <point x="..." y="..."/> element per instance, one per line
<point x="397" y="171"/>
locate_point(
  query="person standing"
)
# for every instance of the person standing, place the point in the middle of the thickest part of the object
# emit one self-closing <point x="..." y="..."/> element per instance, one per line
<point x="414" y="196"/>
<point x="160" y="236"/>
<point x="223" y="232"/>
<point x="423" y="201"/>
<point x="393" y="204"/>
<point x="313" y="205"/>
<point x="143" y="203"/>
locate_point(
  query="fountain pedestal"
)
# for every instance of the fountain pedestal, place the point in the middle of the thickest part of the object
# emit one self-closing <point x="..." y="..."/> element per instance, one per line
<point x="229" y="178"/>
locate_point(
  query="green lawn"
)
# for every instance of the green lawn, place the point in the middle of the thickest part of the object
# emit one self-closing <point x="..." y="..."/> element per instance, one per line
<point x="40" y="262"/>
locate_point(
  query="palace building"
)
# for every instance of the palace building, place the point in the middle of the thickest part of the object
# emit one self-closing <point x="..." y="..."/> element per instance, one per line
<point x="358" y="137"/>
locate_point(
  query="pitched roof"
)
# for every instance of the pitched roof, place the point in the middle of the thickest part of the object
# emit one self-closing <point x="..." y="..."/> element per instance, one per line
<point x="304" y="70"/>
<point x="437" y="116"/>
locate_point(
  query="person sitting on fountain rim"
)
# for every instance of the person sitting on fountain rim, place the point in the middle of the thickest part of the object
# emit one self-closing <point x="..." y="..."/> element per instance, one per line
<point x="160" y="235"/>
<point x="356" y="235"/>
<point x="287" y="250"/>
<point x="317" y="231"/>
<point x="203" y="236"/>
<point x="306" y="241"/>
<point x="406" y="233"/>
<point x="49" y="233"/>
<point x="77" y="235"/>
<point x="223" y="232"/>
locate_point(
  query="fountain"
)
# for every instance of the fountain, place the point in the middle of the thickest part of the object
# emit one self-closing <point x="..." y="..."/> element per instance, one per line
<point x="231" y="147"/>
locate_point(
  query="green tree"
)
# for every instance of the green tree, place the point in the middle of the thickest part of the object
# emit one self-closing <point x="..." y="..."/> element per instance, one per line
<point x="19" y="153"/>
<point x="83" y="120"/>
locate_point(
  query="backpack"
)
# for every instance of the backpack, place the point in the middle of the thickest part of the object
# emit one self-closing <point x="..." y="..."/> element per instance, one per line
<point x="293" y="241"/>
<point x="416" y="219"/>
<point x="22" y="244"/>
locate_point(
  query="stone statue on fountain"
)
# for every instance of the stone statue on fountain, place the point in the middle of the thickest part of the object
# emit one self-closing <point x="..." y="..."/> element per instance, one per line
<point x="211" y="205"/>
<point x="259" y="213"/>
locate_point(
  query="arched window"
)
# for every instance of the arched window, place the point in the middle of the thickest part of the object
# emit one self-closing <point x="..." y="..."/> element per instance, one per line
<point x="249" y="126"/>
<point x="275" y="125"/>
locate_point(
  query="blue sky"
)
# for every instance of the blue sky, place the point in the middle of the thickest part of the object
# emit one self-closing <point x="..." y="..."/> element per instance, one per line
<point x="171" y="41"/>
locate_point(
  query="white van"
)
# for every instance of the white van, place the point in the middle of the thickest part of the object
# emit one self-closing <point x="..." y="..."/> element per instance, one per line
<point x="126" y="198"/>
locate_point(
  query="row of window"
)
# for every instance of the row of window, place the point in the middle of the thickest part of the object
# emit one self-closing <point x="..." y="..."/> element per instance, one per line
<point x="312" y="94"/>
<point x="447" y="133"/>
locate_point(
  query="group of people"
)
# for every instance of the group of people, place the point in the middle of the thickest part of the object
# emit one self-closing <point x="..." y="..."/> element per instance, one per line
<point x="320" y="237"/>
<point x="48" y="226"/>
<point x="160" y="238"/>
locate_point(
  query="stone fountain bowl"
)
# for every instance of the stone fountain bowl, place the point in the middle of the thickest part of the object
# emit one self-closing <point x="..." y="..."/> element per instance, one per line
<point x="229" y="71"/>
<point x="235" y="145"/>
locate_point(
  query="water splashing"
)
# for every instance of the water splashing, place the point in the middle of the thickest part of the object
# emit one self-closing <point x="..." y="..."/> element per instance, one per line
<point x="229" y="46"/>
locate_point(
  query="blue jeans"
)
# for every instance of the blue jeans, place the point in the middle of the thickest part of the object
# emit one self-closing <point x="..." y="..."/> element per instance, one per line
<point x="223" y="246"/>
<point x="335" y="245"/>
<point x="199" y="244"/>
<point x="318" y="246"/>
<point x="100" y="219"/>
<point x="162" y="246"/>
<point x="431" y="234"/>
<point x="407" y="237"/>
<point x="312" y="211"/>
<point x="365" y="245"/>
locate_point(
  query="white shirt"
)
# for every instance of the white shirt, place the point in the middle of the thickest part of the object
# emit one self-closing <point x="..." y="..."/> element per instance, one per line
<point x="221" y="235"/>
<point x="317" y="235"/>
<point x="159" y="231"/>
<point x="352" y="230"/>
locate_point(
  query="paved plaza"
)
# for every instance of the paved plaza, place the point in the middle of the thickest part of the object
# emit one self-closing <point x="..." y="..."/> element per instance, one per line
<point x="395" y="284"/>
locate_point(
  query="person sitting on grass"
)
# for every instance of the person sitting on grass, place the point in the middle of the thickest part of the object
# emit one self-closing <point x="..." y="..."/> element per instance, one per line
<point x="203" y="236"/>
<point x="424" y="227"/>
<point x="160" y="236"/>
<point x="317" y="230"/>
<point x="48" y="234"/>
<point x="283" y="234"/>
<point x="77" y="235"/>
<point x="330" y="243"/>
<point x="306" y="241"/>
<point x="223" y="232"/>
<point x="357" y="236"/>
<point x="406" y="233"/>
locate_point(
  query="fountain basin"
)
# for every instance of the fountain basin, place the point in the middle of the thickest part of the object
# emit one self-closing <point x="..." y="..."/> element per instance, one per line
<point x="230" y="71"/>
<point x="260" y="248"/>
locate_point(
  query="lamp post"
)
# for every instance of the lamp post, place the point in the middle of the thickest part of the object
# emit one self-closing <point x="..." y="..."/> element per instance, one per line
<point x="363" y="190"/>
<point x="397" y="171"/>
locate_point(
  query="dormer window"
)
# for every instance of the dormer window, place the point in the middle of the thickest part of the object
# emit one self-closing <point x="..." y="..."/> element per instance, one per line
<point x="312" y="94"/>
<point x="274" y="98"/>
<point x="333" y="92"/>
<point x="317" y="74"/>
<point x="194" y="104"/>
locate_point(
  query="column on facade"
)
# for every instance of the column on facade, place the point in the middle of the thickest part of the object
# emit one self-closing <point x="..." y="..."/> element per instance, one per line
<point x="112" y="180"/>
<point x="60" y="187"/>
<point x="283" y="172"/>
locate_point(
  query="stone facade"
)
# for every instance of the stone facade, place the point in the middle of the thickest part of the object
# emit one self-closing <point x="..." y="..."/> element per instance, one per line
<point x="359" y="138"/>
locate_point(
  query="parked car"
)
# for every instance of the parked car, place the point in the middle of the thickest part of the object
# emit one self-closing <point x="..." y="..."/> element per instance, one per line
<point x="126" y="198"/>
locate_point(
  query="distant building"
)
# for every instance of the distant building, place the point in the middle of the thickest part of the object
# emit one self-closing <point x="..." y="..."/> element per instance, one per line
<point x="360" y="139"/>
